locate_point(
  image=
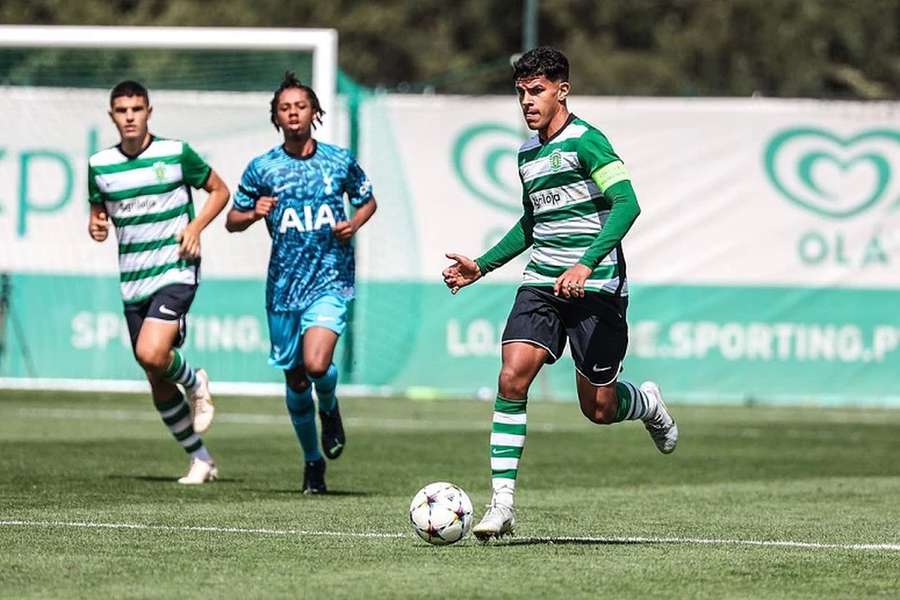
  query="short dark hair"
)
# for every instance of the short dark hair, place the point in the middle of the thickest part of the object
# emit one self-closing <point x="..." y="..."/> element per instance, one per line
<point x="290" y="81"/>
<point x="544" y="60"/>
<point x="129" y="88"/>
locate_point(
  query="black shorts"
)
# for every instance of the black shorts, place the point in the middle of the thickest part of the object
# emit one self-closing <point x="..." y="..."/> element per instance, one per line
<point x="169" y="303"/>
<point x="595" y="325"/>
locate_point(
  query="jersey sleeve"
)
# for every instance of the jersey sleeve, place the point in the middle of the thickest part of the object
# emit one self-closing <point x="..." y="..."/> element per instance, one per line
<point x="357" y="185"/>
<point x="601" y="162"/>
<point x="249" y="189"/>
<point x="194" y="169"/>
<point x="95" y="196"/>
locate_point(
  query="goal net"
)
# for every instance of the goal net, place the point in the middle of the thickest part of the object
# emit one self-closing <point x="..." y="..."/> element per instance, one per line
<point x="62" y="318"/>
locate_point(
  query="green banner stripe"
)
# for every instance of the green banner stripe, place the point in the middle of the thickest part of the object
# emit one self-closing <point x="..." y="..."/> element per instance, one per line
<point x="507" y="474"/>
<point x="506" y="451"/>
<point x="574" y="240"/>
<point x="153" y="217"/>
<point x="140" y="163"/>
<point x="584" y="208"/>
<point x="510" y="407"/>
<point x="146" y="190"/>
<point x="601" y="272"/>
<point x="144" y="246"/>
<point x="508" y="428"/>
<point x="145" y="273"/>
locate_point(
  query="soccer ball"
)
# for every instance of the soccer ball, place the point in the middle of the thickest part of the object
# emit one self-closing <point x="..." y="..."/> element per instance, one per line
<point x="441" y="513"/>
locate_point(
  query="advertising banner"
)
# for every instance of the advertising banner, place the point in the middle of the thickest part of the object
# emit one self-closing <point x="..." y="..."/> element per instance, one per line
<point x="763" y="267"/>
<point x="765" y="264"/>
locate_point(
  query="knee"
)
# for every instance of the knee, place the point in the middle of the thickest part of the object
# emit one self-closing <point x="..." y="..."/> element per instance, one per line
<point x="297" y="382"/>
<point x="152" y="360"/>
<point x="317" y="368"/>
<point x="600" y="407"/>
<point x="513" y="385"/>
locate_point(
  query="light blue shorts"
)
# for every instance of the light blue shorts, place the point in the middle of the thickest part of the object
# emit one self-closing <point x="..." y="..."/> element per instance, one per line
<point x="286" y="329"/>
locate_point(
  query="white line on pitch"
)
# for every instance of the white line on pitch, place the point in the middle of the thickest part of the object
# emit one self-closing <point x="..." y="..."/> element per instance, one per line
<point x="697" y="541"/>
<point x="514" y="541"/>
<point x="191" y="528"/>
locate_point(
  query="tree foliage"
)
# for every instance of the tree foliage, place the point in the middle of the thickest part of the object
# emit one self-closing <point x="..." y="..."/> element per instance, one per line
<point x="813" y="48"/>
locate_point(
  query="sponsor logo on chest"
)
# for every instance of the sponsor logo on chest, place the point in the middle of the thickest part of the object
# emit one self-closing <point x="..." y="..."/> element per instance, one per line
<point x="305" y="220"/>
<point x="545" y="199"/>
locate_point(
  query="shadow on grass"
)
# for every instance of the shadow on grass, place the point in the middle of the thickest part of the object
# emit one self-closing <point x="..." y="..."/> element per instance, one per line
<point x="161" y="479"/>
<point x="552" y="541"/>
<point x="296" y="491"/>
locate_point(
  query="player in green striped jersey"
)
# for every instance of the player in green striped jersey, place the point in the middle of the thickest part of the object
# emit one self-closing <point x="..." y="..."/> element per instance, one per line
<point x="578" y="205"/>
<point x="143" y="185"/>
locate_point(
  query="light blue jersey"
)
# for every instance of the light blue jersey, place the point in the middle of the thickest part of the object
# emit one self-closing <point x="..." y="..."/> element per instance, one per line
<point x="306" y="262"/>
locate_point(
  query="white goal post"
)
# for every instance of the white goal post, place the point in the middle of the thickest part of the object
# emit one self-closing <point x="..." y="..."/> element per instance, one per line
<point x="319" y="45"/>
<point x="322" y="43"/>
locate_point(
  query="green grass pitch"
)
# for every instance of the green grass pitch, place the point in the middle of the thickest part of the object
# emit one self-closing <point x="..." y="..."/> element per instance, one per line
<point x="90" y="508"/>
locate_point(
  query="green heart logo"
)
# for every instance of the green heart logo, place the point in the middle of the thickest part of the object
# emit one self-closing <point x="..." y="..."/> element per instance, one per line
<point x="860" y="166"/>
<point x="479" y="156"/>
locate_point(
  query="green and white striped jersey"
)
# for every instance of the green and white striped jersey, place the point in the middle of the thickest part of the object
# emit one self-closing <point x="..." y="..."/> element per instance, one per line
<point x="148" y="199"/>
<point x="563" y="184"/>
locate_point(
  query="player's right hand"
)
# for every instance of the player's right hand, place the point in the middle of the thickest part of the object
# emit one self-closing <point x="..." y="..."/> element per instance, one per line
<point x="264" y="206"/>
<point x="462" y="272"/>
<point x="98" y="226"/>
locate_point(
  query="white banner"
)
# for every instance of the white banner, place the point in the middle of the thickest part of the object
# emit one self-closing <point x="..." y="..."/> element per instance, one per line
<point x="778" y="192"/>
<point x="47" y="136"/>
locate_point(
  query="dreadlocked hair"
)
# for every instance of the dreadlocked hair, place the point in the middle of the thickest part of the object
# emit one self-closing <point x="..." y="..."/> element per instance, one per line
<point x="290" y="81"/>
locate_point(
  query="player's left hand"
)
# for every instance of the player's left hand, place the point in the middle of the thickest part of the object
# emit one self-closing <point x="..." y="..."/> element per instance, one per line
<point x="343" y="231"/>
<point x="189" y="243"/>
<point x="571" y="283"/>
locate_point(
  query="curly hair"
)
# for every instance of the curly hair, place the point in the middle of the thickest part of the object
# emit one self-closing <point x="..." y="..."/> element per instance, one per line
<point x="546" y="61"/>
<point x="290" y="81"/>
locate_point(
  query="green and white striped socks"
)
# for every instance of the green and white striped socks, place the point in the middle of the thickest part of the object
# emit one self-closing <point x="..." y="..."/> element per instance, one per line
<point x="176" y="414"/>
<point x="507" y="442"/>
<point x="633" y="403"/>
<point x="181" y="372"/>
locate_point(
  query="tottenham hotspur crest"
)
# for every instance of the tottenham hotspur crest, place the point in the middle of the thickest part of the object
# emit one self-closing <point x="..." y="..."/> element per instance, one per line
<point x="328" y="178"/>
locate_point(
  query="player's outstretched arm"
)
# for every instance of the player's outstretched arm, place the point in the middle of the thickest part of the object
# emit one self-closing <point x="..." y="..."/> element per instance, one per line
<point x="98" y="223"/>
<point x="218" y="198"/>
<point x="518" y="239"/>
<point x="344" y="230"/>
<point x="464" y="271"/>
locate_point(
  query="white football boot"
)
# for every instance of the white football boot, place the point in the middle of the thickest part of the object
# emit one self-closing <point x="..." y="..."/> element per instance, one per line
<point x="660" y="425"/>
<point x="201" y="472"/>
<point x="202" y="403"/>
<point x="499" y="520"/>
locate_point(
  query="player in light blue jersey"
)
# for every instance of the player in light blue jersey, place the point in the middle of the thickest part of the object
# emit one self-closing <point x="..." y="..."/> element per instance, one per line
<point x="299" y="188"/>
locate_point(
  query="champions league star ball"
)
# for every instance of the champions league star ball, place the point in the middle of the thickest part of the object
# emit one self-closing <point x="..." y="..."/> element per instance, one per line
<point x="441" y="513"/>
